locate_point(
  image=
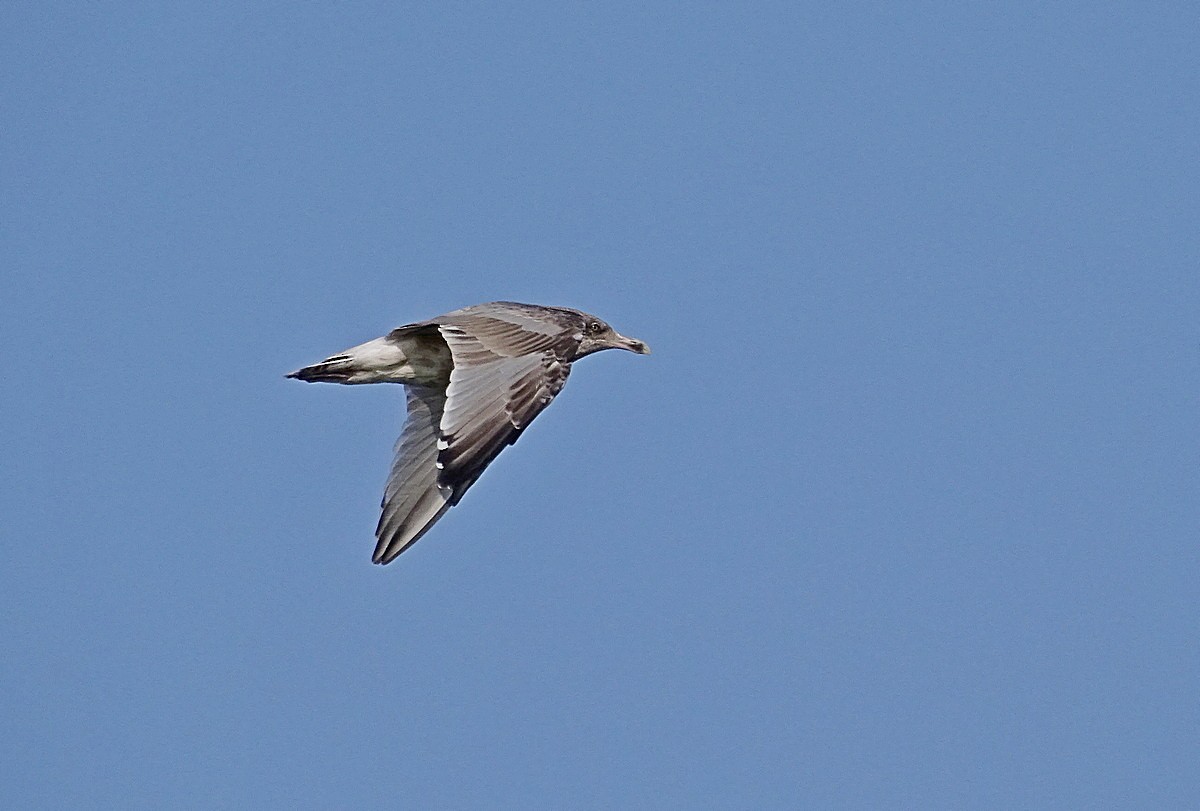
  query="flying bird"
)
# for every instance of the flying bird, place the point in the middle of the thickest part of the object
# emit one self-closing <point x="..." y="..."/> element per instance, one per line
<point x="475" y="379"/>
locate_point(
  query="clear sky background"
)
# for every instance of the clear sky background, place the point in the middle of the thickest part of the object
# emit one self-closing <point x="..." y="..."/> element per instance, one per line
<point x="902" y="511"/>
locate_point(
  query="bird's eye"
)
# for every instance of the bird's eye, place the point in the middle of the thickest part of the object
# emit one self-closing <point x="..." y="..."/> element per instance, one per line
<point x="595" y="326"/>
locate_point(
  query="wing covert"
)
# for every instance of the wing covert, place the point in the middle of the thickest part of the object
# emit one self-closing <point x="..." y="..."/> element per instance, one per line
<point x="491" y="399"/>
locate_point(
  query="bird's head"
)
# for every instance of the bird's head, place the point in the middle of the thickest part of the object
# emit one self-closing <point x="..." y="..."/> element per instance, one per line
<point x="597" y="336"/>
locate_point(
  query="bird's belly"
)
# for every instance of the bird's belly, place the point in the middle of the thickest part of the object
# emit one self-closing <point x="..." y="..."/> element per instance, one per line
<point x="426" y="362"/>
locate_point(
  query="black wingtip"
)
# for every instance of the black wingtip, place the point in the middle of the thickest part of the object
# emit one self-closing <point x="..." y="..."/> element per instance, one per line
<point x="380" y="556"/>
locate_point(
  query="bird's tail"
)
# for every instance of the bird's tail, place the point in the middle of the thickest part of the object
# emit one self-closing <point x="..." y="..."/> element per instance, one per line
<point x="377" y="361"/>
<point x="338" y="369"/>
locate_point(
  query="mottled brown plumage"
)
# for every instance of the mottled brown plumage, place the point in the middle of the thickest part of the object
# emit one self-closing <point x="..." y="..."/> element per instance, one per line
<point x="476" y="378"/>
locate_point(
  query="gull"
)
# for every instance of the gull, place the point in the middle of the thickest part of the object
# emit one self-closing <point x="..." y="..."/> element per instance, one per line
<point x="475" y="379"/>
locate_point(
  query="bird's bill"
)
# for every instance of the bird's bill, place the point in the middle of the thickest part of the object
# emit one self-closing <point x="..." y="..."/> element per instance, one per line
<point x="632" y="344"/>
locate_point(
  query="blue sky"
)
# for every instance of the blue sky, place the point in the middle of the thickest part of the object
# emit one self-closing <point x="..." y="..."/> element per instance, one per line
<point x="901" y="512"/>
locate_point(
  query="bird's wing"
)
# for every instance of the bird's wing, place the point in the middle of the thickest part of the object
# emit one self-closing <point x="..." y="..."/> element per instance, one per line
<point x="452" y="434"/>
<point x="413" y="500"/>
<point x="494" y="394"/>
